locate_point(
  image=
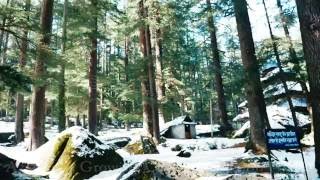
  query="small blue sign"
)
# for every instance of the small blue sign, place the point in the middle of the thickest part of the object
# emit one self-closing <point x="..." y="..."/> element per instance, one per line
<point x="281" y="139"/>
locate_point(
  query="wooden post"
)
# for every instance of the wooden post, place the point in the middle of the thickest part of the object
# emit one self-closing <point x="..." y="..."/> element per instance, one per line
<point x="270" y="165"/>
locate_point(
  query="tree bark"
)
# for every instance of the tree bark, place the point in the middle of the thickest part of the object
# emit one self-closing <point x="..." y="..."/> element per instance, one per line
<point x="159" y="76"/>
<point x="145" y="87"/>
<point x="53" y="103"/>
<point x="126" y="69"/>
<point x="19" y="134"/>
<point x="78" y="120"/>
<point x="309" y="17"/>
<point x="153" y="93"/>
<point x="68" y="123"/>
<point x="150" y="106"/>
<point x="20" y="98"/>
<point x="62" y="88"/>
<point x="38" y="94"/>
<point x="216" y="68"/>
<point x="92" y="112"/>
<point x="254" y="93"/>
<point x="84" y="121"/>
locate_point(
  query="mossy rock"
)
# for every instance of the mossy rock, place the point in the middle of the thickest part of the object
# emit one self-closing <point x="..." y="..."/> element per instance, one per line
<point x="145" y="145"/>
<point x="153" y="169"/>
<point x="77" y="154"/>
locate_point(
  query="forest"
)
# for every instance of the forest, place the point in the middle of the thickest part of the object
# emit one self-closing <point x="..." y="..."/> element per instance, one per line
<point x="159" y="89"/>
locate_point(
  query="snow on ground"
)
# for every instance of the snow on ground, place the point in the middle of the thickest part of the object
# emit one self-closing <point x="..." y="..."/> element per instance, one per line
<point x="203" y="157"/>
<point x="294" y="162"/>
<point x="203" y="129"/>
<point x="201" y="160"/>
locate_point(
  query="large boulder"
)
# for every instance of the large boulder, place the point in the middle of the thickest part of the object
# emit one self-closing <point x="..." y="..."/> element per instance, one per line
<point x="5" y="137"/>
<point x="7" y="167"/>
<point x="73" y="154"/>
<point x="153" y="169"/>
<point x="78" y="154"/>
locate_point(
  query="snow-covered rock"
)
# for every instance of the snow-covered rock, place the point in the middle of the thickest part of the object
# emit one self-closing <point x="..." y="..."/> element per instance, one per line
<point x="273" y="90"/>
<point x="153" y="169"/>
<point x="73" y="154"/>
<point x="243" y="104"/>
<point x="279" y="118"/>
<point x="243" y="117"/>
<point x="143" y="146"/>
<point x="242" y="131"/>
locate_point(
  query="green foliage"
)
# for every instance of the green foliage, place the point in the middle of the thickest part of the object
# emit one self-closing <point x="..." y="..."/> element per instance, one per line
<point x="130" y="118"/>
<point x="13" y="80"/>
<point x="186" y="55"/>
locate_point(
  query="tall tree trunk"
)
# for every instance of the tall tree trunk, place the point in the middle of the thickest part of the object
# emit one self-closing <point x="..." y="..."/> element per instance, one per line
<point x="153" y="93"/>
<point x="256" y="104"/>
<point x="19" y="134"/>
<point x="68" y="123"/>
<point x="62" y="86"/>
<point x="38" y="94"/>
<point x="145" y="86"/>
<point x="309" y="17"/>
<point x="126" y="69"/>
<point x="159" y="76"/>
<point x="101" y="117"/>
<point x="216" y="68"/>
<point x="279" y="65"/>
<point x="84" y="121"/>
<point x="20" y="99"/>
<point x="92" y="112"/>
<point x="53" y="103"/>
<point x="78" y="120"/>
<point x="148" y="83"/>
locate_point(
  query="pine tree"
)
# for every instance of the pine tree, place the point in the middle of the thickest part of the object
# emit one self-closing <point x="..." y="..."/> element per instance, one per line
<point x="62" y="88"/>
<point x="150" y="109"/>
<point x="20" y="98"/>
<point x="309" y="17"/>
<point x="158" y="62"/>
<point x="92" y="112"/>
<point x="216" y="68"/>
<point x="37" y="112"/>
<point x="256" y="104"/>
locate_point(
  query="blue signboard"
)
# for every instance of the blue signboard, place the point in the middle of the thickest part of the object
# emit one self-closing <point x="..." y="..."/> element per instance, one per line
<point x="281" y="139"/>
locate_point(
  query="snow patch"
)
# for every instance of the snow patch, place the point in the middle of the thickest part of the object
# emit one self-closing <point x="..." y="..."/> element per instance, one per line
<point x="273" y="90"/>
<point x="203" y="129"/>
